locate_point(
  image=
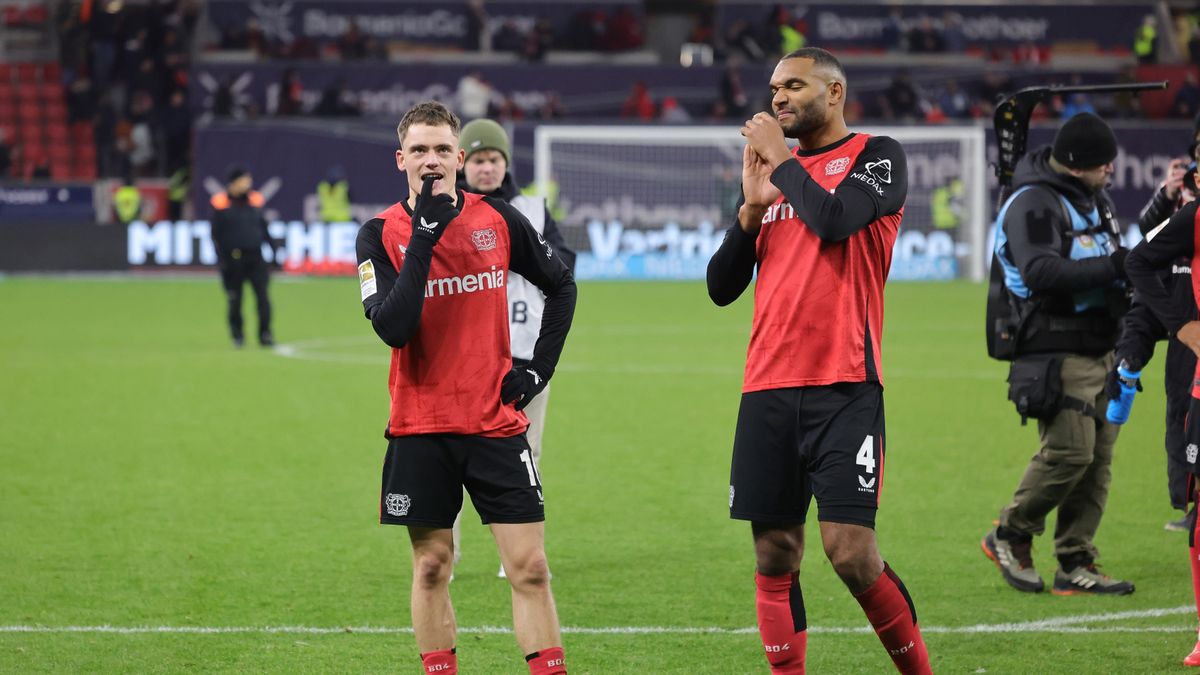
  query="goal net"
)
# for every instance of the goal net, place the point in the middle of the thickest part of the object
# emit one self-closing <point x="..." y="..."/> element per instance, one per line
<point x="641" y="202"/>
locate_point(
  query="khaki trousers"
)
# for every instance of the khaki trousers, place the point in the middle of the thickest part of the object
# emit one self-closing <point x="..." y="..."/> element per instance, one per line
<point x="1072" y="471"/>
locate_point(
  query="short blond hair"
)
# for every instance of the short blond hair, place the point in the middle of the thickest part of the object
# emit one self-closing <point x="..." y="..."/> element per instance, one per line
<point x="432" y="113"/>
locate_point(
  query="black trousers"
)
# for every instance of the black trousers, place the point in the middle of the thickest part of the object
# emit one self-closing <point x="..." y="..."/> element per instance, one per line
<point x="236" y="269"/>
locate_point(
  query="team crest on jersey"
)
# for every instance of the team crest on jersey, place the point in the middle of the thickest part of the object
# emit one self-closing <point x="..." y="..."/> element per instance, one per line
<point x="397" y="505"/>
<point x="1086" y="241"/>
<point x="837" y="166"/>
<point x="484" y="240"/>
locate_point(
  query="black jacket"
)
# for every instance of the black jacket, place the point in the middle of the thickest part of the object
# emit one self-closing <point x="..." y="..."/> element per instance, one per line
<point x="239" y="226"/>
<point x="1040" y="250"/>
<point x="508" y="191"/>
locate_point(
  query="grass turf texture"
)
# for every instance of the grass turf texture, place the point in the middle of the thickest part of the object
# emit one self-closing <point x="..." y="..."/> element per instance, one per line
<point x="151" y="475"/>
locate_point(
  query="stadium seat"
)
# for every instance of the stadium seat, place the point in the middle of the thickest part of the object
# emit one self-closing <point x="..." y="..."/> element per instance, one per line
<point x="30" y="133"/>
<point x="27" y="92"/>
<point x="31" y="112"/>
<point x="52" y="91"/>
<point x="55" y="111"/>
<point x="82" y="132"/>
<point x="60" y="170"/>
<point x="52" y="72"/>
<point x="6" y="73"/>
<point x="85" y="171"/>
<point x="60" y="152"/>
<point x="27" y="72"/>
<point x="7" y="91"/>
<point x="8" y="114"/>
<point x="58" y="133"/>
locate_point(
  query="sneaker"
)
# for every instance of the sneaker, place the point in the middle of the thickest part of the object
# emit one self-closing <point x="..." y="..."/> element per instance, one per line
<point x="1193" y="659"/>
<point x="1088" y="579"/>
<point x="266" y="340"/>
<point x="1180" y="525"/>
<point x="238" y="341"/>
<point x="1015" y="560"/>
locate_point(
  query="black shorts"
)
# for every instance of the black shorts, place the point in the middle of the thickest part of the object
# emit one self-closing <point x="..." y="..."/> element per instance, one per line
<point x="424" y="477"/>
<point x="794" y="444"/>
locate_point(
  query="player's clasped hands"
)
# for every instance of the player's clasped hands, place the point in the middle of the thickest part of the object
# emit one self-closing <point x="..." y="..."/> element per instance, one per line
<point x="431" y="214"/>
<point x="766" y="138"/>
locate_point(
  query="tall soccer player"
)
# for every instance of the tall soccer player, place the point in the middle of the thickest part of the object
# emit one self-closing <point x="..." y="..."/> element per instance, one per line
<point x="819" y="223"/>
<point x="1178" y="238"/>
<point x="433" y="270"/>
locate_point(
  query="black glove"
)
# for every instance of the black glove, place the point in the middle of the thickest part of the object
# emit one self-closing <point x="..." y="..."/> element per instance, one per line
<point x="520" y="385"/>
<point x="1118" y="258"/>
<point x="432" y="214"/>
<point x="1112" y="386"/>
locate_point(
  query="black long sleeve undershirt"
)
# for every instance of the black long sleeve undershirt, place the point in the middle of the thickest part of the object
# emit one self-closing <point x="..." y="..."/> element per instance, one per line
<point x="732" y="267"/>
<point x="394" y="311"/>
<point x="1161" y="247"/>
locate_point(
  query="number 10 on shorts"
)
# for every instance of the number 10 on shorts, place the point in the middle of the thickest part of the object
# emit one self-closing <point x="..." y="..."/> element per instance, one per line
<point x="527" y="459"/>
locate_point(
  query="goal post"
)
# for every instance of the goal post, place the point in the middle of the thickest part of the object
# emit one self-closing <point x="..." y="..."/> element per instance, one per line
<point x="653" y="202"/>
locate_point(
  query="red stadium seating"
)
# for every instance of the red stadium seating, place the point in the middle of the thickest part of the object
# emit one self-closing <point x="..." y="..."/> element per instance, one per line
<point x="27" y="72"/>
<point x="30" y="112"/>
<point x="51" y="72"/>
<point x="58" y="133"/>
<point x="7" y="91"/>
<point x="52" y="91"/>
<point x="6" y="72"/>
<point x="55" y="112"/>
<point x="28" y="92"/>
<point x="8" y="113"/>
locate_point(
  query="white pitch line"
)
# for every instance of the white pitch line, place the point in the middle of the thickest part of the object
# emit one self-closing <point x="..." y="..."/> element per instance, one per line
<point x="1062" y="624"/>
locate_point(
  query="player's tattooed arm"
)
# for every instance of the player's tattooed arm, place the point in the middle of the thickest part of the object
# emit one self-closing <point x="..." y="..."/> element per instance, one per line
<point x="1159" y="249"/>
<point x="533" y="258"/>
<point x="875" y="186"/>
<point x="392" y="301"/>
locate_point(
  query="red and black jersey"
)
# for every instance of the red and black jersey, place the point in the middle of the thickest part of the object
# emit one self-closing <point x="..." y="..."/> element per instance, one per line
<point x="444" y="312"/>
<point x="823" y="255"/>
<point x="1161" y="249"/>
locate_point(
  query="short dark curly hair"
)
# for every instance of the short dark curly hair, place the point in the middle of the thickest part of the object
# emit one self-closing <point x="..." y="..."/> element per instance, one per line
<point x="432" y="113"/>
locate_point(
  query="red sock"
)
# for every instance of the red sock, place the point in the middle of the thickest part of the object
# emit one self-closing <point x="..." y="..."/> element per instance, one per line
<point x="891" y="613"/>
<point x="547" y="662"/>
<point x="441" y="662"/>
<point x="1194" y="552"/>
<point x="781" y="622"/>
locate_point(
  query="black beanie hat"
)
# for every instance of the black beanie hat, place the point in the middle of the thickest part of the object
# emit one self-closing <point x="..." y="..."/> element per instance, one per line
<point x="1085" y="142"/>
<point x="234" y="172"/>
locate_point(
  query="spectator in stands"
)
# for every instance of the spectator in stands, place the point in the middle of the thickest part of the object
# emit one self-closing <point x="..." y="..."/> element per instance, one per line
<point x="586" y="29"/>
<point x="1076" y="103"/>
<point x="290" y="101"/>
<point x="223" y="104"/>
<point x="672" y="112"/>
<point x="741" y="37"/>
<point x="954" y="102"/>
<point x="900" y="100"/>
<point x="924" y="38"/>
<point x="717" y="113"/>
<point x="479" y="34"/>
<point x="538" y="41"/>
<point x="509" y="38"/>
<point x="954" y="40"/>
<point x="351" y="45"/>
<point x="177" y="130"/>
<point x="622" y="31"/>
<point x="474" y="95"/>
<point x="1187" y="99"/>
<point x="1145" y="40"/>
<point x="1127" y="104"/>
<point x="81" y="98"/>
<point x="639" y="104"/>
<point x="335" y="101"/>
<point x="733" y="94"/>
<point x="552" y="108"/>
<point x="5" y="153"/>
<point x="893" y="32"/>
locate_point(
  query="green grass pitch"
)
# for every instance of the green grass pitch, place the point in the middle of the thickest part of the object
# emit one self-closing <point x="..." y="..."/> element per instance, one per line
<point x="151" y="475"/>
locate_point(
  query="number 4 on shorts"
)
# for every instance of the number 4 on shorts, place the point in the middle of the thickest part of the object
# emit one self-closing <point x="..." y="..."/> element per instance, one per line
<point x="866" y="455"/>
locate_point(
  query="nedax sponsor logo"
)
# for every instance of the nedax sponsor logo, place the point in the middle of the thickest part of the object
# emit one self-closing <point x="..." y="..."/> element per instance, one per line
<point x="881" y="169"/>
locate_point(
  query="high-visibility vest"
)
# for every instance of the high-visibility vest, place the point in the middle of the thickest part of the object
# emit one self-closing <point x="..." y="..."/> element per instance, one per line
<point x="1143" y="41"/>
<point x="127" y="202"/>
<point x="334" y="200"/>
